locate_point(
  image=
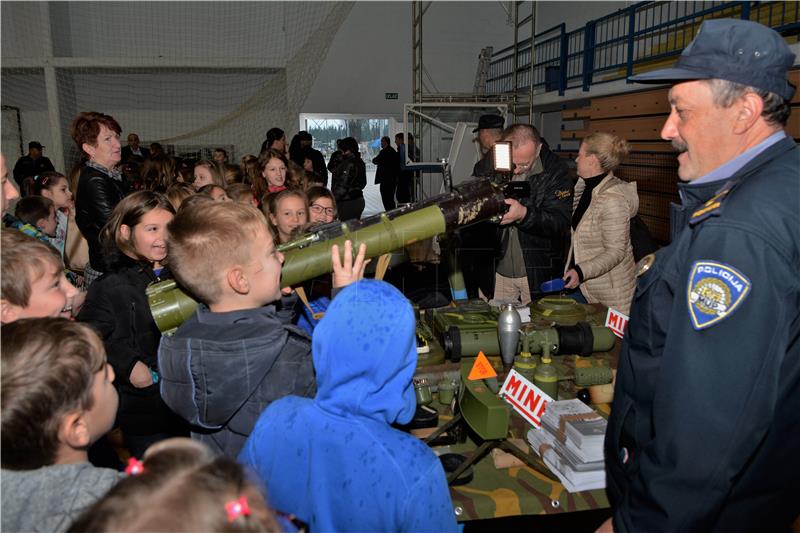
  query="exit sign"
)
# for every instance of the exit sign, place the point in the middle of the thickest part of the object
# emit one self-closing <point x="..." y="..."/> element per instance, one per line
<point x="391" y="96"/>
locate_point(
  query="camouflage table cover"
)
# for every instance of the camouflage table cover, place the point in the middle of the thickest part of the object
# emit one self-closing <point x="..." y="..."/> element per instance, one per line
<point x="495" y="493"/>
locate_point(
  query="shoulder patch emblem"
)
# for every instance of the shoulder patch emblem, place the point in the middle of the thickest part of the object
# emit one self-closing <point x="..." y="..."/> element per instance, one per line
<point x="715" y="291"/>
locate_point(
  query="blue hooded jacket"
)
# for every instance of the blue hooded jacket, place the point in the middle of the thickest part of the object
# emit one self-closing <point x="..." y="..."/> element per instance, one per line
<point x="335" y="461"/>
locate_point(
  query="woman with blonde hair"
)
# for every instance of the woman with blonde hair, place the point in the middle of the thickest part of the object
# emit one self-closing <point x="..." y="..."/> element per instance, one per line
<point x="600" y="260"/>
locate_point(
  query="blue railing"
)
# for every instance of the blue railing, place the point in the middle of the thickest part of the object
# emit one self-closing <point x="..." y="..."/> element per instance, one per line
<point x="635" y="39"/>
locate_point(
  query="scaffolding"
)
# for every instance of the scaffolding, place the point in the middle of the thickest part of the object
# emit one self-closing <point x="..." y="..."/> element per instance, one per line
<point x="518" y="101"/>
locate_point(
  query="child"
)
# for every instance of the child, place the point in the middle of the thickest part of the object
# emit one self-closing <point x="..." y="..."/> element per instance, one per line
<point x="286" y="211"/>
<point x="233" y="356"/>
<point x="33" y="281"/>
<point x="205" y="173"/>
<point x="215" y="192"/>
<point x="335" y="461"/>
<point x="322" y="206"/>
<point x="57" y="399"/>
<point x="181" y="486"/>
<point x="177" y="193"/>
<point x="242" y="193"/>
<point x="54" y="186"/>
<point x="117" y="307"/>
<point x="9" y="190"/>
<point x="35" y="216"/>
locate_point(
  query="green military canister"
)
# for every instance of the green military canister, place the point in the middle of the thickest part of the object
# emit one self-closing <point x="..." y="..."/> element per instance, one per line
<point x="525" y="362"/>
<point x="546" y="377"/>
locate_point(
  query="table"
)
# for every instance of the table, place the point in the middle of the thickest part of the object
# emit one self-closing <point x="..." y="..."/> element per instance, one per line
<point x="495" y="493"/>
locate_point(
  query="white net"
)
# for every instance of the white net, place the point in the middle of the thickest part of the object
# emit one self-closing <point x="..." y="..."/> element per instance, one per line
<point x="191" y="75"/>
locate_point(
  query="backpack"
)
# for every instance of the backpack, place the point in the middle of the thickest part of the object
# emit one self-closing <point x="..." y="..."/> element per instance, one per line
<point x="642" y="240"/>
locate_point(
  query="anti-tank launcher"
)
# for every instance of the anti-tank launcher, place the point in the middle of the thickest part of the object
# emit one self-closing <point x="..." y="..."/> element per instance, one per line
<point x="309" y="255"/>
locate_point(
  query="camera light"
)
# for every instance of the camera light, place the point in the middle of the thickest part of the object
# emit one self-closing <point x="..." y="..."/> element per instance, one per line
<point x="502" y="157"/>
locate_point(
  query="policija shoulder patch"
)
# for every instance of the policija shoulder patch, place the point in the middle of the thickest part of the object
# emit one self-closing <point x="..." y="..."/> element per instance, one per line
<point x="715" y="291"/>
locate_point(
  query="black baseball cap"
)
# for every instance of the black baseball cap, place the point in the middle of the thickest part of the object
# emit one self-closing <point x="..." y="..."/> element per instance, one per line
<point x="741" y="51"/>
<point x="490" y="122"/>
<point x="35" y="144"/>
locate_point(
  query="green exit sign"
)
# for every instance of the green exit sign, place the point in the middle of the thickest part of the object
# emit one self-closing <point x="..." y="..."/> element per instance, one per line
<point x="391" y="96"/>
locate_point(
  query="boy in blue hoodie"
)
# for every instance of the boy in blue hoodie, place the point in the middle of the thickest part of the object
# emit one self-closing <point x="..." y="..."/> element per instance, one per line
<point x="234" y="356"/>
<point x="335" y="461"/>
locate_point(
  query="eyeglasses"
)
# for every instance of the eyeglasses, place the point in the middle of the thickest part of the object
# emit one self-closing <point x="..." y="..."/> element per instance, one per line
<point x="524" y="167"/>
<point x="318" y="210"/>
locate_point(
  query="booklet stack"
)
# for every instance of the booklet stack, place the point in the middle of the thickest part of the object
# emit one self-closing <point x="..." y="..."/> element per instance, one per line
<point x="570" y="442"/>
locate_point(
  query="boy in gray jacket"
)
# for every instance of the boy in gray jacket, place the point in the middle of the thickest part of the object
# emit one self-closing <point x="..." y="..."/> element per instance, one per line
<point x="57" y="399"/>
<point x="234" y="356"/>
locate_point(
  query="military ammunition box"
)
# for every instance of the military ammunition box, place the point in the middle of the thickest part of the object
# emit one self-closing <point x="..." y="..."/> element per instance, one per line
<point x="466" y="329"/>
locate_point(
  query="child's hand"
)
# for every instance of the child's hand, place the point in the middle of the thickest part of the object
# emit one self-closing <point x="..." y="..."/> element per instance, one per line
<point x="140" y="376"/>
<point x="345" y="273"/>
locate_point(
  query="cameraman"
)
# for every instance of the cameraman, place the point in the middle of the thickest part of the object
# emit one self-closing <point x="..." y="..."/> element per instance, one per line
<point x="536" y="229"/>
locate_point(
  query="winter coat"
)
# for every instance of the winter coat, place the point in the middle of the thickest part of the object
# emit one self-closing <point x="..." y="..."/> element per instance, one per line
<point x="97" y="196"/>
<point x="335" y="461"/>
<point x="601" y="244"/>
<point x="117" y="307"/>
<point x="221" y="370"/>
<point x="544" y="231"/>
<point x="349" y="178"/>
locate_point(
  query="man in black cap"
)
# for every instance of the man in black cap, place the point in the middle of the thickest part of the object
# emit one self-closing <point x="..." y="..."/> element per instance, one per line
<point x="704" y="431"/>
<point x="32" y="164"/>
<point x="489" y="130"/>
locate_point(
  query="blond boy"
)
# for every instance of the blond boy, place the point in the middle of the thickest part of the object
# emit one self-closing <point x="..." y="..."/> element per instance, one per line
<point x="234" y="356"/>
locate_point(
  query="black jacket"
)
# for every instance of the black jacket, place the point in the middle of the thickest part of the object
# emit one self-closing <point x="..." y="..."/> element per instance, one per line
<point x="388" y="165"/>
<point x="116" y="306"/>
<point x="129" y="157"/>
<point x="485" y="166"/>
<point x="703" y="434"/>
<point x="27" y="166"/>
<point x="318" y="160"/>
<point x="545" y="231"/>
<point x="97" y="196"/>
<point x="349" y="178"/>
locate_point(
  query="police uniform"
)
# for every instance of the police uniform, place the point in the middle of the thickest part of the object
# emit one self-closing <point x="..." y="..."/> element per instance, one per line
<point x="704" y="434"/>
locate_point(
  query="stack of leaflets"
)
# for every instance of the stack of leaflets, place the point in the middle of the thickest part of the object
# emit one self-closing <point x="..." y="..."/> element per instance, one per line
<point x="570" y="443"/>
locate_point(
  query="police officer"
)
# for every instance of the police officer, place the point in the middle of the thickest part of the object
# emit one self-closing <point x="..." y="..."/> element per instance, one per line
<point x="704" y="433"/>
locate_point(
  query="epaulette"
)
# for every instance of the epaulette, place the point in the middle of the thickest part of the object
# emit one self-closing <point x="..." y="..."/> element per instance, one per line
<point x="713" y="207"/>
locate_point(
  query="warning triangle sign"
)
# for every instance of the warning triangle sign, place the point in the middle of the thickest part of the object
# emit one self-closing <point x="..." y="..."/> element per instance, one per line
<point x="482" y="369"/>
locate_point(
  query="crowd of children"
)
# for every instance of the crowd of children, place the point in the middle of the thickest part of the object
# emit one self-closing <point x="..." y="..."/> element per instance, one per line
<point x="76" y="364"/>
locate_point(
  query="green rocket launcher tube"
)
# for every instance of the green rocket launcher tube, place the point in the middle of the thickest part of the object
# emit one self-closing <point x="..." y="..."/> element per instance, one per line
<point x="310" y="255"/>
<point x="474" y="201"/>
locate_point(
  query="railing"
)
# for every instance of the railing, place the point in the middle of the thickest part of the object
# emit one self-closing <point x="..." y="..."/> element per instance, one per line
<point x="641" y="37"/>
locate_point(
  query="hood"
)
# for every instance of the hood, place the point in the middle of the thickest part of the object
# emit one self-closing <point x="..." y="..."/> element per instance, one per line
<point x="365" y="354"/>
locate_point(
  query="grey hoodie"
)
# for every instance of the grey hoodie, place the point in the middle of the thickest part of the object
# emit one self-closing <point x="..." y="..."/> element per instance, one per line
<point x="48" y="499"/>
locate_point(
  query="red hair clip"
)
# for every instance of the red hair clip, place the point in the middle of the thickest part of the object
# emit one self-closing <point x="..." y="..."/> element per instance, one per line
<point x="237" y="508"/>
<point x="135" y="467"/>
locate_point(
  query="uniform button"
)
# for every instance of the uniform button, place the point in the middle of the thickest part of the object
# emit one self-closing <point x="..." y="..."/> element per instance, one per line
<point x="623" y="455"/>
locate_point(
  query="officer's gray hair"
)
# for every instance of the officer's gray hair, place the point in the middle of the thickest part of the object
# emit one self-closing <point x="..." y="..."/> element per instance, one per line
<point x="776" y="109"/>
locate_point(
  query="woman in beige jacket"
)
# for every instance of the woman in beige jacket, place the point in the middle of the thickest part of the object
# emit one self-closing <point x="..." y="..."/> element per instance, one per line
<point x="600" y="261"/>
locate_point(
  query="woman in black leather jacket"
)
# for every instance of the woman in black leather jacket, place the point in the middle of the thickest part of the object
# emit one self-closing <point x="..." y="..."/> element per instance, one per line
<point x="101" y="185"/>
<point x="349" y="180"/>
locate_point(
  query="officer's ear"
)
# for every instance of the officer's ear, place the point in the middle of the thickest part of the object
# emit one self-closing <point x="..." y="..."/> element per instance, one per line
<point x="748" y="111"/>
